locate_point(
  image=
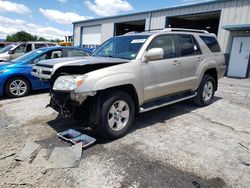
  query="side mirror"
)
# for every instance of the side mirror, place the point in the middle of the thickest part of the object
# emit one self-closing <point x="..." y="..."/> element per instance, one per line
<point x="154" y="54"/>
<point x="10" y="51"/>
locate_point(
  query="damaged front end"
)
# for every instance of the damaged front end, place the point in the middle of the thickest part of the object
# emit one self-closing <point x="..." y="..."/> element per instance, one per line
<point x="67" y="102"/>
<point x="69" y="105"/>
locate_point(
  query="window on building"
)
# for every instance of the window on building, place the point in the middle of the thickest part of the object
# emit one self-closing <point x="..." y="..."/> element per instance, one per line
<point x="188" y="45"/>
<point x="211" y="43"/>
<point x="166" y="42"/>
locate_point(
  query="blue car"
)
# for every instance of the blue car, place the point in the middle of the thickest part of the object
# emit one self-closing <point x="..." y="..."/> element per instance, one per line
<point x="15" y="76"/>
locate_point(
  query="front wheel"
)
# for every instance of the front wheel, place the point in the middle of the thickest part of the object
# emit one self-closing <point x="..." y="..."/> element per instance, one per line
<point x="17" y="87"/>
<point x="205" y="92"/>
<point x="117" y="115"/>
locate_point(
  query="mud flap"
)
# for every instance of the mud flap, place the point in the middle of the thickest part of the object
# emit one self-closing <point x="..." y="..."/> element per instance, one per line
<point x="95" y="110"/>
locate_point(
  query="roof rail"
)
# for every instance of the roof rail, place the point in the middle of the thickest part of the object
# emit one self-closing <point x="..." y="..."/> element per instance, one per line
<point x="131" y="32"/>
<point x="186" y="30"/>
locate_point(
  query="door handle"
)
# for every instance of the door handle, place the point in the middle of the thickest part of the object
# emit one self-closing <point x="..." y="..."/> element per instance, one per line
<point x="176" y="63"/>
<point x="199" y="59"/>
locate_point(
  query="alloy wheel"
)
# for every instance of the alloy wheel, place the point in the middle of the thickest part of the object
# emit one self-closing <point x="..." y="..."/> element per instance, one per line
<point x="118" y="115"/>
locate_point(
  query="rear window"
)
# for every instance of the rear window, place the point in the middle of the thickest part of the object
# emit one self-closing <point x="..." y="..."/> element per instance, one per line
<point x="211" y="43"/>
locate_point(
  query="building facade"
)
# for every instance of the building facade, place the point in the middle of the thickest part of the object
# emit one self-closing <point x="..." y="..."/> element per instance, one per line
<point x="228" y="19"/>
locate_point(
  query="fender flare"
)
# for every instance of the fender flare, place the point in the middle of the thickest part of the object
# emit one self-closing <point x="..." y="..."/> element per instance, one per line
<point x="115" y="80"/>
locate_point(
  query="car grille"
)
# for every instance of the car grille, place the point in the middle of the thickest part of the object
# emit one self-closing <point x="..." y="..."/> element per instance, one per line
<point x="46" y="72"/>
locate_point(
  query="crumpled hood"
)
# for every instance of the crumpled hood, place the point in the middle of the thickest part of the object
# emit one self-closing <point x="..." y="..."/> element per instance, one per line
<point x="78" y="61"/>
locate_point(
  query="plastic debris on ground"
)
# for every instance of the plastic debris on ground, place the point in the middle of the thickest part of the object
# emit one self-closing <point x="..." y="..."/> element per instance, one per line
<point x="6" y="160"/>
<point x="65" y="157"/>
<point x="26" y="151"/>
<point x="76" y="137"/>
<point x="41" y="158"/>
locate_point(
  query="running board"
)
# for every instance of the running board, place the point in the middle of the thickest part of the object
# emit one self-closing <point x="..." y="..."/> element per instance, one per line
<point x="165" y="102"/>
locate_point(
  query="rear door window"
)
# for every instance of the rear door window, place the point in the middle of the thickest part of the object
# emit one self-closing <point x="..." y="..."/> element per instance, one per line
<point x="49" y="55"/>
<point x="51" y="44"/>
<point x="40" y="45"/>
<point x="28" y="47"/>
<point x="211" y="43"/>
<point x="188" y="45"/>
<point x="56" y="54"/>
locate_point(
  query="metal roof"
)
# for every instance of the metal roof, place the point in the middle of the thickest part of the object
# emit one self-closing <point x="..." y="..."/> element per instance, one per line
<point x="206" y="2"/>
<point x="238" y="27"/>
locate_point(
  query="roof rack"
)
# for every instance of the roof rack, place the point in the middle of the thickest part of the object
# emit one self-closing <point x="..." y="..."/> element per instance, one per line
<point x="131" y="32"/>
<point x="186" y="30"/>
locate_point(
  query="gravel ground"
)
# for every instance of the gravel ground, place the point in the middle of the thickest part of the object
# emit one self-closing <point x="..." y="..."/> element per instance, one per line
<point x="176" y="146"/>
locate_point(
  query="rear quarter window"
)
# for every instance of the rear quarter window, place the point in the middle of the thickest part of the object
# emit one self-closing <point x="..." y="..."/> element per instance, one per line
<point x="211" y="43"/>
<point x="40" y="45"/>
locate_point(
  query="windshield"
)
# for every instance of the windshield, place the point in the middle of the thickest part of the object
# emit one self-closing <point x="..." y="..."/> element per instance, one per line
<point x="27" y="57"/>
<point x="6" y="48"/>
<point x="125" y="47"/>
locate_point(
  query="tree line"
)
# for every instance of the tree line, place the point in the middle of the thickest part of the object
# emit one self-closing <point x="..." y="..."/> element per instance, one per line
<point x="22" y="36"/>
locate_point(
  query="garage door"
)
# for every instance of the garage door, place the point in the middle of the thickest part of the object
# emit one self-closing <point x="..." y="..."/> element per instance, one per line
<point x="91" y="36"/>
<point x="240" y="57"/>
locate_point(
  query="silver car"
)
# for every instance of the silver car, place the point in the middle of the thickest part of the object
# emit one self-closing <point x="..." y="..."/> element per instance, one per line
<point x="13" y="51"/>
<point x="135" y="73"/>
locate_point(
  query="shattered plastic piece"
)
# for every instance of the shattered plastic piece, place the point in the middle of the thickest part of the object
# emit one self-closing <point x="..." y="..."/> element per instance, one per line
<point x="9" y="154"/>
<point x="76" y="137"/>
<point x="243" y="146"/>
<point x="6" y="162"/>
<point x="68" y="134"/>
<point x="245" y="163"/>
<point x="65" y="157"/>
<point x="26" y="151"/>
<point x="196" y="184"/>
<point x="40" y="159"/>
<point x="84" y="139"/>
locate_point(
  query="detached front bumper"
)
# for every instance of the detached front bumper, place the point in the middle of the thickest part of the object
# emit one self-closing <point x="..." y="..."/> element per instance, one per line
<point x="69" y="104"/>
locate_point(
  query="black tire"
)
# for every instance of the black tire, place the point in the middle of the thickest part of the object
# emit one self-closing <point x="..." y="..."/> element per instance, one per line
<point x="110" y="99"/>
<point x="9" y="84"/>
<point x="199" y="98"/>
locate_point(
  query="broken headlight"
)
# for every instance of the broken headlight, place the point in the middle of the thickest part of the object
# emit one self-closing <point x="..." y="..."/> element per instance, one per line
<point x="68" y="83"/>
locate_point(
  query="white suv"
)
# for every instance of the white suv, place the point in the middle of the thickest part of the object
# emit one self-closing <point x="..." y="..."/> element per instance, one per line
<point x="15" y="50"/>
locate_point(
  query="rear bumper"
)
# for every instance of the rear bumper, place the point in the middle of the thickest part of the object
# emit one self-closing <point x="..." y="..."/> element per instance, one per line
<point x="221" y="70"/>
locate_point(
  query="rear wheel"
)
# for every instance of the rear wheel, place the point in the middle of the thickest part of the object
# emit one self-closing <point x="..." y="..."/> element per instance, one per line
<point x="17" y="87"/>
<point x="205" y="92"/>
<point x="117" y="115"/>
